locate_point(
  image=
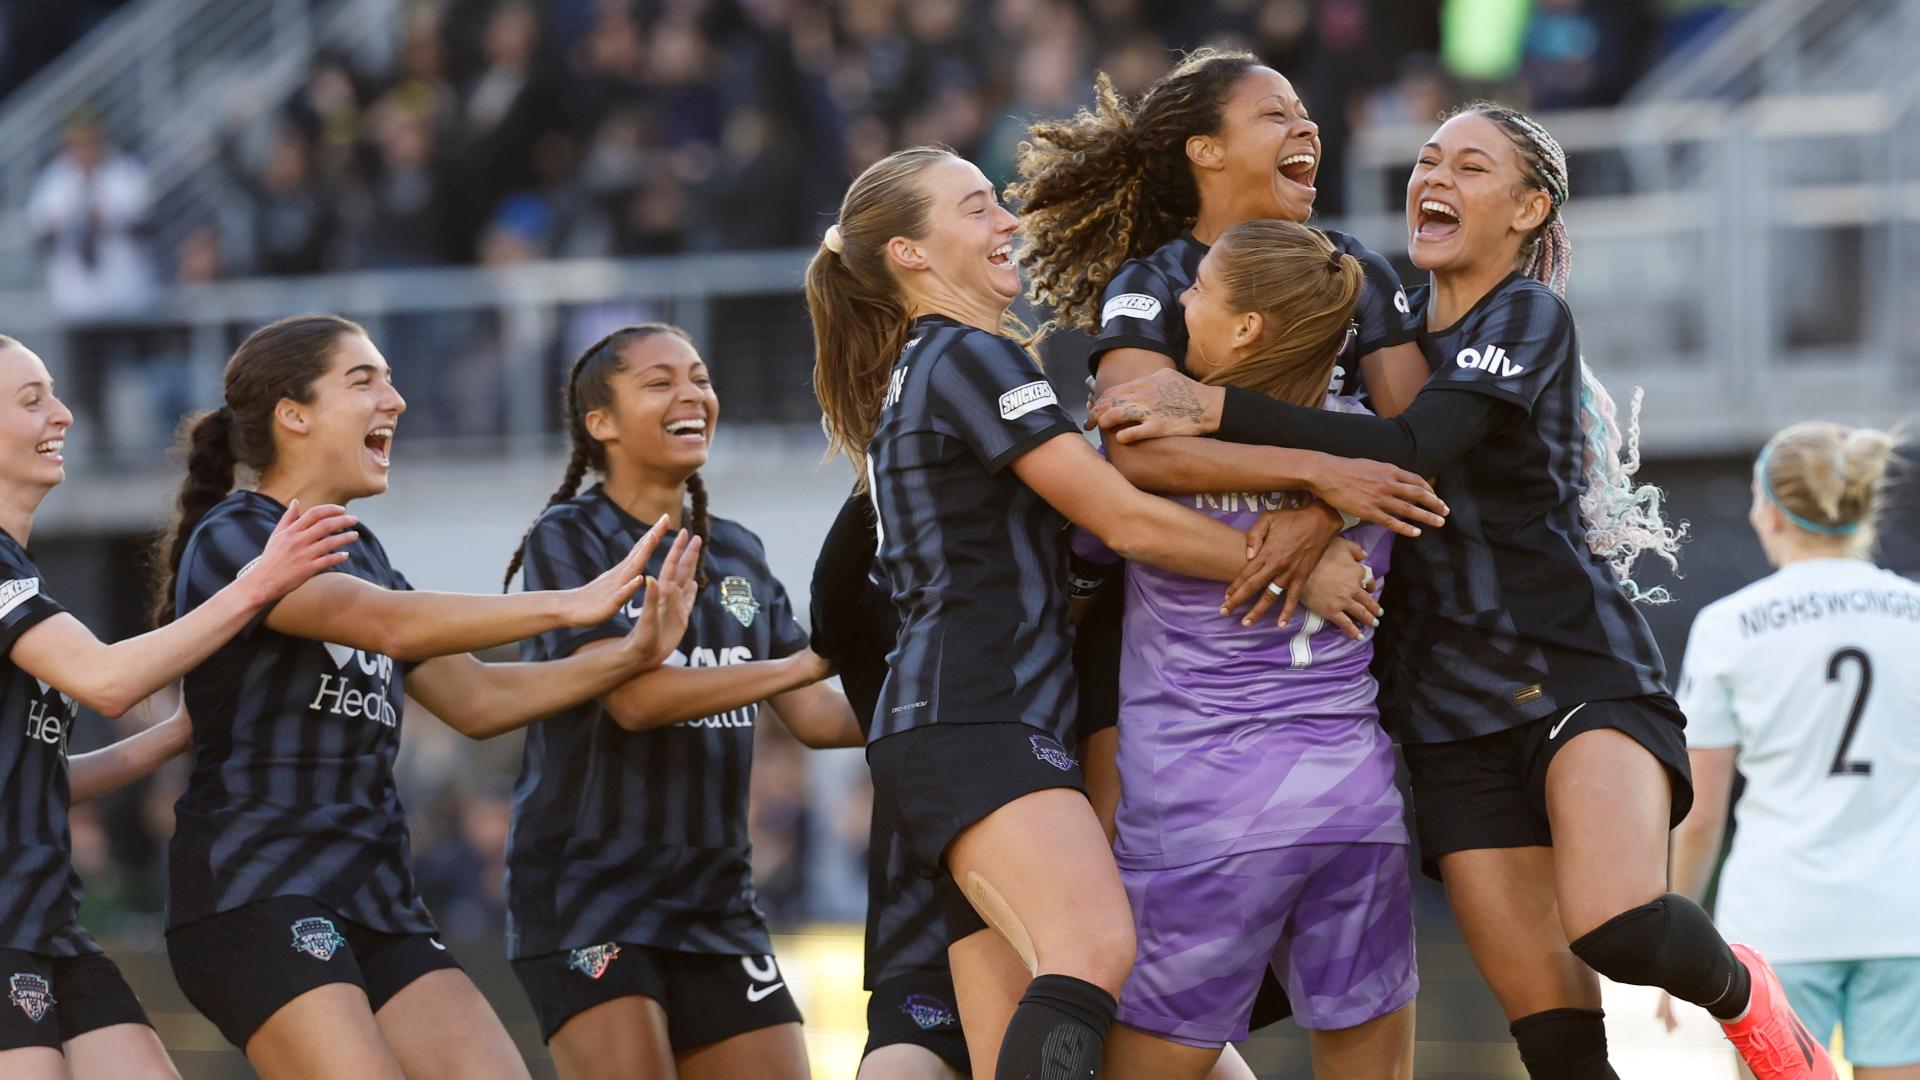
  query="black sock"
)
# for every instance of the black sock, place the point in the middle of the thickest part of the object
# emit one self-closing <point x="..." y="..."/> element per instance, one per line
<point x="1673" y="945"/>
<point x="1058" y="1031"/>
<point x="1564" y="1044"/>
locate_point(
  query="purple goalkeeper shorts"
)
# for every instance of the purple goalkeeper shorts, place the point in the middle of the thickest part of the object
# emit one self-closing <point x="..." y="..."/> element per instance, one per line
<point x="1334" y="921"/>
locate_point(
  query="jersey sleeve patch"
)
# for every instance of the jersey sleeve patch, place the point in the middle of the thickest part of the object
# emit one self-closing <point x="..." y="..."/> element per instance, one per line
<point x="17" y="592"/>
<point x="1131" y="305"/>
<point x="1022" y="400"/>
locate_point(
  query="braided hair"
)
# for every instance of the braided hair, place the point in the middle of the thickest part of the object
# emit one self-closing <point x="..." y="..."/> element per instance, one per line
<point x="589" y="387"/>
<point x="1114" y="183"/>
<point x="1623" y="519"/>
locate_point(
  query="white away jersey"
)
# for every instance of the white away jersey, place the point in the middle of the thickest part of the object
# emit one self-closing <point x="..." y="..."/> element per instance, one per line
<point x="1811" y="674"/>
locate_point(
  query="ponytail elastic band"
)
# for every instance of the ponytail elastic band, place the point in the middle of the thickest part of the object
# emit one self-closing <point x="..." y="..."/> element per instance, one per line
<point x="832" y="240"/>
<point x="1766" y="490"/>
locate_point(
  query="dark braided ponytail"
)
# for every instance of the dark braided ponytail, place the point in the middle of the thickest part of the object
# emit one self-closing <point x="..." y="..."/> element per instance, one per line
<point x="589" y="387"/>
<point x="697" y="522"/>
<point x="278" y="361"/>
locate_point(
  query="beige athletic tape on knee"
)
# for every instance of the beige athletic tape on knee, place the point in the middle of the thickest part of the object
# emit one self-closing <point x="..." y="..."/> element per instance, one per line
<point x="999" y="914"/>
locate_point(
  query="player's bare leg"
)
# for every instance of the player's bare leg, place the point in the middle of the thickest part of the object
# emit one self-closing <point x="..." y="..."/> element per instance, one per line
<point x="1041" y="874"/>
<point x="622" y="1039"/>
<point x="905" y="1061"/>
<point x="1608" y="802"/>
<point x="1504" y="902"/>
<point x="442" y="1029"/>
<point x="1380" y="1049"/>
<point x="778" y="1052"/>
<point x="34" y="1063"/>
<point x="327" y="1033"/>
<point x="117" y="1052"/>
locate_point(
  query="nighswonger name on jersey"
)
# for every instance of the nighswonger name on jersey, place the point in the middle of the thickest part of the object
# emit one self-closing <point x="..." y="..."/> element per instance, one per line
<point x="338" y="695"/>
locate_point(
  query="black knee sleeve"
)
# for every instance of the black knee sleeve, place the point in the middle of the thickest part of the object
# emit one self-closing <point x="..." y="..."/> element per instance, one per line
<point x="1673" y="945"/>
<point x="1564" y="1044"/>
<point x="1058" y="1031"/>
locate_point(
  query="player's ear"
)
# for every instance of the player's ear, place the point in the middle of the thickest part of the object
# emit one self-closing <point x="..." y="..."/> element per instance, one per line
<point x="1248" y="328"/>
<point x="906" y="254"/>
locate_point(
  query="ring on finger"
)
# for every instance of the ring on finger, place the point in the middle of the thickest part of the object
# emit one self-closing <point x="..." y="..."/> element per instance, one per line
<point x="1366" y="576"/>
<point x="1275" y="588"/>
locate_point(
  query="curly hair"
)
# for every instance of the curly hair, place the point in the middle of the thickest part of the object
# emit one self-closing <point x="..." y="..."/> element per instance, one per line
<point x="1113" y="183"/>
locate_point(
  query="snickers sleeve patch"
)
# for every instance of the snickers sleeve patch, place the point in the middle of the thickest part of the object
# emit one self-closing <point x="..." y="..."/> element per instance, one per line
<point x="991" y="395"/>
<point x="22" y="603"/>
<point x="1138" y="313"/>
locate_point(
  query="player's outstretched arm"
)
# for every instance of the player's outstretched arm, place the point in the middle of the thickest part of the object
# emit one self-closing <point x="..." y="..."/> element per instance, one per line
<point x="818" y="716"/>
<point x="110" y="679"/>
<point x="481" y="700"/>
<point x="415" y="626"/>
<point x="675" y="694"/>
<point x="110" y="768"/>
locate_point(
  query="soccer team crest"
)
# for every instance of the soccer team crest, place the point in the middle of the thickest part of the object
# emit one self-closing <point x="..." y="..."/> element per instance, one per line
<point x="317" y="938"/>
<point x="593" y="960"/>
<point x="1051" y="752"/>
<point x="32" y="993"/>
<point x="928" y="1012"/>
<point x="736" y="595"/>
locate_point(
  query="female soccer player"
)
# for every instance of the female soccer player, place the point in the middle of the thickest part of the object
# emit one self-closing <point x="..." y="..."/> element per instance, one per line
<point x="972" y="464"/>
<point x="1258" y="824"/>
<point x="289" y="858"/>
<point x="631" y="917"/>
<point x="68" y="1012"/>
<point x="1546" y="755"/>
<point x="1803" y="680"/>
<point x="913" y="1028"/>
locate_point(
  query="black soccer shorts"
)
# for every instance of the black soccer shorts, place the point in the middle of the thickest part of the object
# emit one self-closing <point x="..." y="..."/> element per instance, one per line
<point x="51" y="999"/>
<point x="707" y="996"/>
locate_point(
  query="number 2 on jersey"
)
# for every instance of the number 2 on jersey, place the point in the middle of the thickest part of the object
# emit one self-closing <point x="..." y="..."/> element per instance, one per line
<point x="1841" y="766"/>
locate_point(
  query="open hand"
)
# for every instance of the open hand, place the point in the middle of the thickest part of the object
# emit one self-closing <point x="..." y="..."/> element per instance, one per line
<point x="597" y="601"/>
<point x="1380" y="493"/>
<point x="302" y="545"/>
<point x="1157" y="406"/>
<point x="1343" y="591"/>
<point x="1283" y="547"/>
<point x="668" y="605"/>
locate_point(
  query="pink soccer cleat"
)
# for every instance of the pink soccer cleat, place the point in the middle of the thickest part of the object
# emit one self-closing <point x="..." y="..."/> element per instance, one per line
<point x="1770" y="1038"/>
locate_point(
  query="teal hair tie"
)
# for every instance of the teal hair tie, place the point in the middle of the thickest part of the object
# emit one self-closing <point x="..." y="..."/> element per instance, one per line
<point x="1766" y="490"/>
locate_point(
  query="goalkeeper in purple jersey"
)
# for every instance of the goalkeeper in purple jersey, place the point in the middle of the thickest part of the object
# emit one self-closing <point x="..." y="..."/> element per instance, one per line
<point x="1258" y="823"/>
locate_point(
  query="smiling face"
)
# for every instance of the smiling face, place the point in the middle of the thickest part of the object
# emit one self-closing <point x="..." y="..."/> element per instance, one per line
<point x="967" y="248"/>
<point x="33" y="423"/>
<point x="1469" y="202"/>
<point x="1267" y="152"/>
<point x="663" y="410"/>
<point x="1217" y="335"/>
<point x="345" y="431"/>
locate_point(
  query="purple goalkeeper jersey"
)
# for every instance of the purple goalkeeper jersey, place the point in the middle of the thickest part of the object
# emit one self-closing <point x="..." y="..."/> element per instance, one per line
<point x="1236" y="738"/>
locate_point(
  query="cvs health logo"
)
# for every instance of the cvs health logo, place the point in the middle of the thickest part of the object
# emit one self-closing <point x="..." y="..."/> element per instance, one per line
<point x="1493" y="360"/>
<point x="337" y="694"/>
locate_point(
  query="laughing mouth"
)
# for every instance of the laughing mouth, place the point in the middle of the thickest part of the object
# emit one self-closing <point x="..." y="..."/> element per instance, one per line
<point x="692" y="429"/>
<point x="1298" y="168"/>
<point x="1002" y="255"/>
<point x="50" y="448"/>
<point x="379" y="442"/>
<point x="1435" y="219"/>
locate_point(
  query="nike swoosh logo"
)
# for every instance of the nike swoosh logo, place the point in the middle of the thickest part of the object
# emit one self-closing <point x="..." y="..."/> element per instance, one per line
<point x="1554" y="732"/>
<point x="436" y="944"/>
<point x="762" y="993"/>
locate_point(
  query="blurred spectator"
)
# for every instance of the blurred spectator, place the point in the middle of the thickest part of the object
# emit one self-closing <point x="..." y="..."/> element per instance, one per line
<point x="88" y="209"/>
<point x="291" y="220"/>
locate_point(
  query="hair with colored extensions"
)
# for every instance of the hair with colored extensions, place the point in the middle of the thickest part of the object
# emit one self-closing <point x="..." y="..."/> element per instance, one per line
<point x="589" y="387"/>
<point x="279" y="361"/>
<point x="1623" y="519"/>
<point x="1113" y="183"/>
<point x="1304" y="289"/>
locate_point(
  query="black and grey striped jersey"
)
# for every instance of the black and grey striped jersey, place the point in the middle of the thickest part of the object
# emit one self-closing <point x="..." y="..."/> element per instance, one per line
<point x="39" y="889"/>
<point x="292" y="791"/>
<point x="641" y="836"/>
<point x="1141" y="307"/>
<point x="975" y="559"/>
<point x="1506" y="615"/>
<point x="854" y="625"/>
